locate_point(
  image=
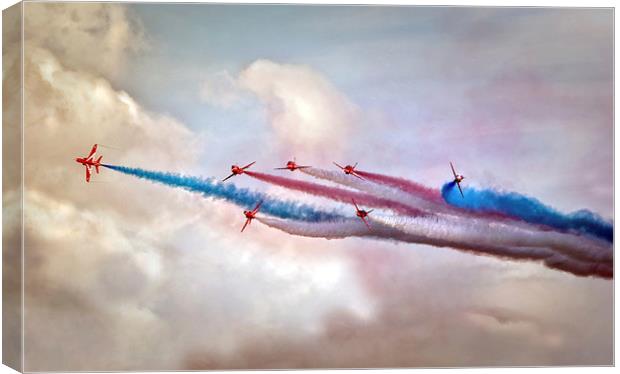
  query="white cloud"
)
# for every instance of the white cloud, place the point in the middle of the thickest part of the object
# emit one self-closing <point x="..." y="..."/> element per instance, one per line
<point x="221" y="90"/>
<point x="131" y="275"/>
<point x="86" y="36"/>
<point x="305" y="110"/>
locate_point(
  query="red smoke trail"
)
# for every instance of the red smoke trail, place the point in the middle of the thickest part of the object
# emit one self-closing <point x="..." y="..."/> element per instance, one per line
<point x="338" y="194"/>
<point x="404" y="185"/>
<point x="421" y="200"/>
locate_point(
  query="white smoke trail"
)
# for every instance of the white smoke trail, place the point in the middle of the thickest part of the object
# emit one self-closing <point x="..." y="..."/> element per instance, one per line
<point x="447" y="226"/>
<point x="506" y="242"/>
<point x="484" y="232"/>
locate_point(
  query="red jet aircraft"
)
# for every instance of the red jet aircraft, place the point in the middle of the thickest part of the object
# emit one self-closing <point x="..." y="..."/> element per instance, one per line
<point x="349" y="170"/>
<point x="237" y="170"/>
<point x="458" y="178"/>
<point x="292" y="166"/>
<point x="362" y="213"/>
<point x="250" y="215"/>
<point x="88" y="162"/>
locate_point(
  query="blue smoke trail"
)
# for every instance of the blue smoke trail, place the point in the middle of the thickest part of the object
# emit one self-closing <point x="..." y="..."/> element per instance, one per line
<point x="528" y="209"/>
<point x="229" y="192"/>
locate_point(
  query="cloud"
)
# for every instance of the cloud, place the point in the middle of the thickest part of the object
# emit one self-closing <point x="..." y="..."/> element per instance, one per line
<point x="483" y="317"/>
<point x="221" y="90"/>
<point x="305" y="110"/>
<point x="87" y="36"/>
<point x="93" y="252"/>
<point x="130" y="275"/>
<point x="147" y="293"/>
<point x="141" y="272"/>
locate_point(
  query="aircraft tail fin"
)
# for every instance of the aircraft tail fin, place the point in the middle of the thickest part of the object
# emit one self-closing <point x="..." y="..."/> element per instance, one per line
<point x="97" y="162"/>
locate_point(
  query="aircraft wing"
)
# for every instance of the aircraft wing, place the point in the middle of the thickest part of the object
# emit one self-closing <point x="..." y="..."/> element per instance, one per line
<point x="452" y="167"/>
<point x="366" y="222"/>
<point x="461" y="191"/>
<point x="303" y="167"/>
<point x="338" y="166"/>
<point x="87" y="174"/>
<point x="257" y="206"/>
<point x="284" y="168"/>
<point x="352" y="200"/>
<point x="356" y="175"/>
<point x="224" y="180"/>
<point x="92" y="151"/>
<point x="248" y="165"/>
<point x="247" y="222"/>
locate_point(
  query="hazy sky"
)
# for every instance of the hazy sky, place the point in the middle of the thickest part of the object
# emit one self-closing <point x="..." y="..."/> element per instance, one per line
<point x="130" y="275"/>
<point x="497" y="89"/>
